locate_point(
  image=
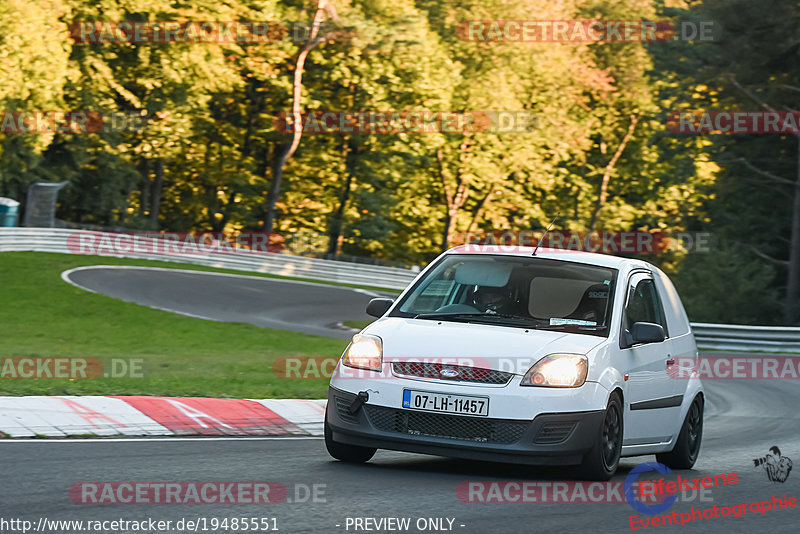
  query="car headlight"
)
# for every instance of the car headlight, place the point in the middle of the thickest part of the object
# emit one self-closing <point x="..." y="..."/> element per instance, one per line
<point x="558" y="370"/>
<point x="365" y="352"/>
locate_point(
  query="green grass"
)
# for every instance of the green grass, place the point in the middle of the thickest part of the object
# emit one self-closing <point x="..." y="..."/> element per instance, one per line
<point x="41" y="315"/>
<point x="357" y="324"/>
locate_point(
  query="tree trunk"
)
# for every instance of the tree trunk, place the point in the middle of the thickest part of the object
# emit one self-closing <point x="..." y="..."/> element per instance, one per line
<point x="478" y="212"/>
<point x="144" y="198"/>
<point x="255" y="106"/>
<point x="122" y="218"/>
<point x="274" y="191"/>
<point x="157" y="186"/>
<point x="793" y="277"/>
<point x="453" y="201"/>
<point x="449" y="221"/>
<point x="216" y="206"/>
<point x="350" y="158"/>
<point x="336" y="223"/>
<point x="603" y="195"/>
<point x="297" y="86"/>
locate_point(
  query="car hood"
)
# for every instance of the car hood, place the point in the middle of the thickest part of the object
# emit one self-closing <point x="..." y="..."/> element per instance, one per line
<point x="500" y="348"/>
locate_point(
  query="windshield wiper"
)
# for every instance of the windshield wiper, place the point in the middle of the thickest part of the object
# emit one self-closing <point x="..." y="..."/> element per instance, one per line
<point x="445" y="315"/>
<point x="466" y="316"/>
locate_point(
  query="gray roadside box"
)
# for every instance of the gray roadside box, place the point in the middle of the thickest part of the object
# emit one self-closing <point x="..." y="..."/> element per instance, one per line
<point x="40" y="206"/>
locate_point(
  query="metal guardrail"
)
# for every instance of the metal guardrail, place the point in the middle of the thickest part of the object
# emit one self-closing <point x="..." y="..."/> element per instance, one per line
<point x="708" y="336"/>
<point x="736" y="337"/>
<point x="56" y="240"/>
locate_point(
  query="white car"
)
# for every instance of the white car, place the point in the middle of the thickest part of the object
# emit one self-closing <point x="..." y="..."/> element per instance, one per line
<point x="500" y="354"/>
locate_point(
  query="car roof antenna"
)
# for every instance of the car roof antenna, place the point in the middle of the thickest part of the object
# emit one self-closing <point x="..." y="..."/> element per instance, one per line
<point x="545" y="233"/>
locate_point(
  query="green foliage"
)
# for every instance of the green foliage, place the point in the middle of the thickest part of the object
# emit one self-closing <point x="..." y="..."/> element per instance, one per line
<point x="599" y="152"/>
<point x="728" y="285"/>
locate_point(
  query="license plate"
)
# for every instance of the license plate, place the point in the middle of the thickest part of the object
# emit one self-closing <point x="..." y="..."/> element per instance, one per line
<point x="438" y="402"/>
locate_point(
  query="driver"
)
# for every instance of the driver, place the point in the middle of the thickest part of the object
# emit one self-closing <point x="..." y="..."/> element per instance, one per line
<point x="491" y="299"/>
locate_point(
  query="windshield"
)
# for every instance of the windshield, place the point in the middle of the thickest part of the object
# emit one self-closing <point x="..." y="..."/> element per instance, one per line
<point x="514" y="291"/>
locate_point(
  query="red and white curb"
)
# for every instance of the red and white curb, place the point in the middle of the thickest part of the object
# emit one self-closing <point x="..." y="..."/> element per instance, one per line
<point x="26" y="417"/>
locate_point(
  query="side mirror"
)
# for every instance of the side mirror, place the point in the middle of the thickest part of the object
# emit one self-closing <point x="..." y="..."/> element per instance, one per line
<point x="645" y="333"/>
<point x="378" y="307"/>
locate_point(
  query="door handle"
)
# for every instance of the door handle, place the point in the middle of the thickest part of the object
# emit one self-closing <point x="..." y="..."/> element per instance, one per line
<point x="671" y="361"/>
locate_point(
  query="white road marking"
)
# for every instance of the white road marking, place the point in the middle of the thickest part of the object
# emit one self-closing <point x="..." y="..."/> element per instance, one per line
<point x="65" y="277"/>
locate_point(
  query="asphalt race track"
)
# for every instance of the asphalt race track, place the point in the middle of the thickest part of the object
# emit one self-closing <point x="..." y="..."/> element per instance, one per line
<point x="272" y="303"/>
<point x="744" y="418"/>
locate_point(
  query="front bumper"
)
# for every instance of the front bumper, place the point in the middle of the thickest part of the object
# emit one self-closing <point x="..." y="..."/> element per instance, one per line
<point x="560" y="438"/>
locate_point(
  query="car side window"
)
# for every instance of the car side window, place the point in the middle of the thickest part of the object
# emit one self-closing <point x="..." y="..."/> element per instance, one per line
<point x="644" y="306"/>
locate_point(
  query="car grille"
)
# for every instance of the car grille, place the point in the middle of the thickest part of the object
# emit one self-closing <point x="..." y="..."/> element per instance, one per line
<point x="554" y="432"/>
<point x="446" y="426"/>
<point x="465" y="373"/>
<point x="343" y="409"/>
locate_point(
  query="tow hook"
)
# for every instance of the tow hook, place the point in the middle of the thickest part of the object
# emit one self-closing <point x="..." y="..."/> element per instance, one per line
<point x="359" y="401"/>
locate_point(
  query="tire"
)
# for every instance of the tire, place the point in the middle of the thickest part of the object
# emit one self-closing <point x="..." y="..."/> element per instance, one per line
<point x="687" y="447"/>
<point x="344" y="452"/>
<point x="601" y="462"/>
